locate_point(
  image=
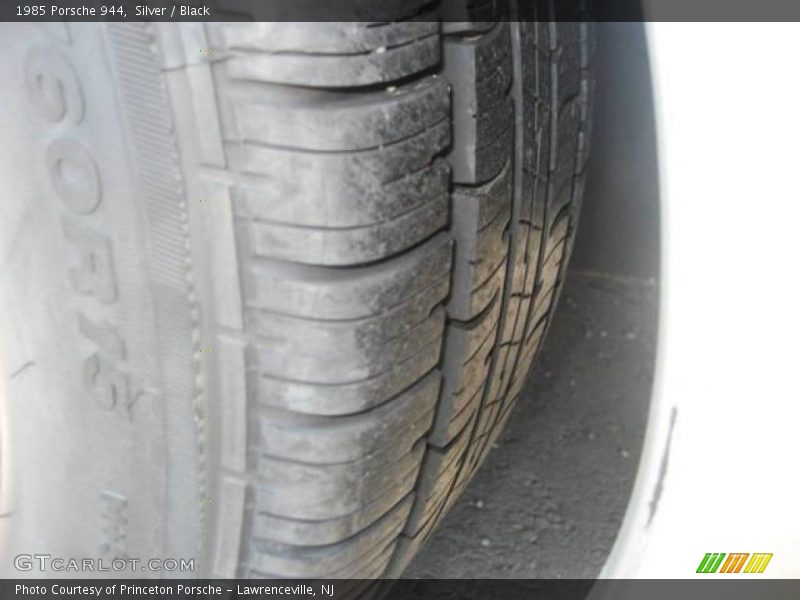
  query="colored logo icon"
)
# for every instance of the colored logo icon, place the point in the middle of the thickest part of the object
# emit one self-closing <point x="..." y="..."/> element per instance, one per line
<point x="713" y="562"/>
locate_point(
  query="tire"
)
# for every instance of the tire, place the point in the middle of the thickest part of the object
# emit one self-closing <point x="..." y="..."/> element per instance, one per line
<point x="274" y="289"/>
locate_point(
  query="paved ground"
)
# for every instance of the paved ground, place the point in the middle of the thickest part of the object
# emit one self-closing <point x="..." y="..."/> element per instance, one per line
<point x="550" y="497"/>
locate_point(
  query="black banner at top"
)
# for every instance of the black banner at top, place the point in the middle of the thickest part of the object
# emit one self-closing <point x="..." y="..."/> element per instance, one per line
<point x="392" y="10"/>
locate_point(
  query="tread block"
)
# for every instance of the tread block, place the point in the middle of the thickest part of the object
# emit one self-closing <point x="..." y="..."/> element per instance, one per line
<point x="480" y="70"/>
<point x="480" y="217"/>
<point x="343" y="399"/>
<point x="310" y="492"/>
<point x="340" y="191"/>
<point x="324" y="293"/>
<point x="341" y="247"/>
<point x="336" y="352"/>
<point x="322" y="440"/>
<point x="375" y="203"/>
<point x="562" y="178"/>
<point x="329" y="531"/>
<point x="439" y="472"/>
<point x="310" y="38"/>
<point x="339" y="560"/>
<point x="325" y="54"/>
<point x="298" y="121"/>
<point x="467" y="348"/>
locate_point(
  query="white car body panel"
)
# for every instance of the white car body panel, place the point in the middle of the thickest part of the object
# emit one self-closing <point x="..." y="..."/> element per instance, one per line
<point x="727" y="100"/>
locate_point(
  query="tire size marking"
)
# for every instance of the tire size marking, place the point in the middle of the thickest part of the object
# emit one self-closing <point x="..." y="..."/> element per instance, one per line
<point x="55" y="92"/>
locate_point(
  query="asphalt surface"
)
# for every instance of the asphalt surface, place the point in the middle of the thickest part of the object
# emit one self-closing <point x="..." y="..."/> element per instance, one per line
<point x="549" y="499"/>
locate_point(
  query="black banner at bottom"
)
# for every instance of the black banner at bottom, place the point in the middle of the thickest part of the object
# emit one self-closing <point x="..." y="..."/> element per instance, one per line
<point x="403" y="589"/>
